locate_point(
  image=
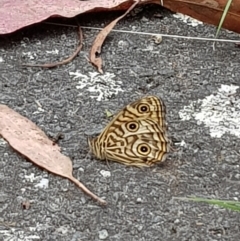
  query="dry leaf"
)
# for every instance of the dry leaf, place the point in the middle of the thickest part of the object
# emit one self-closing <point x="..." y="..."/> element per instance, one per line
<point x="95" y="52"/>
<point x="30" y="141"/>
<point x="17" y="14"/>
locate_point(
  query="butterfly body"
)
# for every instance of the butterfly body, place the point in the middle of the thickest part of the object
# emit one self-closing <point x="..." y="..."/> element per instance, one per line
<point x="136" y="136"/>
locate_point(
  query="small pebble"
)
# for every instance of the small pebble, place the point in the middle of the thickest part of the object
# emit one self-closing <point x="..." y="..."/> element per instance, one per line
<point x="144" y="19"/>
<point x="103" y="234"/>
<point x="157" y="39"/>
<point x="139" y="200"/>
<point x="214" y="175"/>
<point x="177" y="221"/>
<point x="237" y="176"/>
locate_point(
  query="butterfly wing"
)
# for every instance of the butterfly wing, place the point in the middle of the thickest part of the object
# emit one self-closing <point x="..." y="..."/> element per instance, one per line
<point x="120" y="144"/>
<point x="148" y="107"/>
<point x="141" y="142"/>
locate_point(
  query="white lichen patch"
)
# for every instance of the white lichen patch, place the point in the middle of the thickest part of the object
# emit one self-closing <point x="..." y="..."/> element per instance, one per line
<point x="100" y="87"/>
<point x="54" y="52"/>
<point x="13" y="234"/>
<point x="29" y="55"/>
<point x="105" y="173"/>
<point x="43" y="183"/>
<point x="219" y="112"/>
<point x="31" y="177"/>
<point x="188" y="20"/>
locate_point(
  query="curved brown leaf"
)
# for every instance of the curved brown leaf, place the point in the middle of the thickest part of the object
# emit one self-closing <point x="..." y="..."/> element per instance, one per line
<point x="30" y="141"/>
<point x="95" y="51"/>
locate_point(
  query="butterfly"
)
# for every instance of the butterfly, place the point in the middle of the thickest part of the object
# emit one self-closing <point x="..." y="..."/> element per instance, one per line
<point x="136" y="136"/>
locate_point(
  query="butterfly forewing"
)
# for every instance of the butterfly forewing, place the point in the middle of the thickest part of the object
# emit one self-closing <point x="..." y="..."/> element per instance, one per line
<point x="150" y="107"/>
<point x="136" y="135"/>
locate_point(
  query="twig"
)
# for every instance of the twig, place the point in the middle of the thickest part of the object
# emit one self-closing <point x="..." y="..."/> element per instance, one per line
<point x="65" y="61"/>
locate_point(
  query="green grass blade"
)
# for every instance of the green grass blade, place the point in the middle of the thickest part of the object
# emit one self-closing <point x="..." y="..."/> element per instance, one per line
<point x="223" y="16"/>
<point x="232" y="205"/>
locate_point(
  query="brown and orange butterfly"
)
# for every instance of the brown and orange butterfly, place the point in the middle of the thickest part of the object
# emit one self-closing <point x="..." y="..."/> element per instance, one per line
<point x="136" y="136"/>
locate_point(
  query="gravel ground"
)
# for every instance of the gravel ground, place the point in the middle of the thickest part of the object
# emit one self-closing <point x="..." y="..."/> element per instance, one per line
<point x="72" y="99"/>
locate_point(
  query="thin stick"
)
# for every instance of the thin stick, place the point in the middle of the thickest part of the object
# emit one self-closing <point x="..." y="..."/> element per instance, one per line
<point x="65" y="61"/>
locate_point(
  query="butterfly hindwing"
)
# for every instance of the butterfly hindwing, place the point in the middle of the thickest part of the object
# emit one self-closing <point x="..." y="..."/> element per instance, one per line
<point x="138" y="143"/>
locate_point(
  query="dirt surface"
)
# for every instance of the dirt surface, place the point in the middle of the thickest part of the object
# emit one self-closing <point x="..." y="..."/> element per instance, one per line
<point x="73" y="100"/>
